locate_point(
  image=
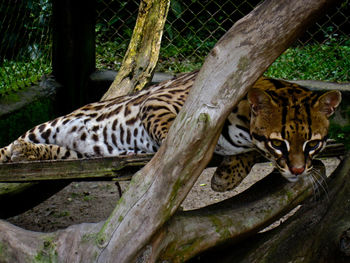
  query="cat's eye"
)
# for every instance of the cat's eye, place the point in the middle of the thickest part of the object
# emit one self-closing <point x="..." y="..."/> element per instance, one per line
<point x="312" y="145"/>
<point x="276" y="143"/>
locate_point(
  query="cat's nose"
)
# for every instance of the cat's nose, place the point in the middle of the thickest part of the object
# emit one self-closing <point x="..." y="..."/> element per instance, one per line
<point x="297" y="170"/>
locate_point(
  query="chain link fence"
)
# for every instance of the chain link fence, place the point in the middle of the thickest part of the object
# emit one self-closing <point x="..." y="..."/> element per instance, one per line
<point x="25" y="43"/>
<point x="192" y="29"/>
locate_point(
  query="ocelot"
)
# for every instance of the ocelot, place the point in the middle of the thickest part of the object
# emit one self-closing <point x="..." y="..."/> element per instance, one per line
<point x="285" y="122"/>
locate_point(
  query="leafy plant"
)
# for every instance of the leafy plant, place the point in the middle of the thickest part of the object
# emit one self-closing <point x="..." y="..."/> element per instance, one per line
<point x="328" y="61"/>
<point x="26" y="45"/>
<point x="16" y="75"/>
<point x="109" y="55"/>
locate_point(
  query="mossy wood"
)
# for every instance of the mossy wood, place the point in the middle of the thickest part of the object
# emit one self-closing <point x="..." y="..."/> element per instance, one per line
<point x="141" y="57"/>
<point x="119" y="168"/>
<point x="318" y="232"/>
<point x="190" y="232"/>
<point x="134" y="230"/>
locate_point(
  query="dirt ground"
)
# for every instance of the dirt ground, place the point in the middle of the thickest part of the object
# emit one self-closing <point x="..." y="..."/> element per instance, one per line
<point x="93" y="201"/>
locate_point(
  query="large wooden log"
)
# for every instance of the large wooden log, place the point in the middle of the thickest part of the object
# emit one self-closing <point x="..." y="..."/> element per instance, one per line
<point x="119" y="168"/>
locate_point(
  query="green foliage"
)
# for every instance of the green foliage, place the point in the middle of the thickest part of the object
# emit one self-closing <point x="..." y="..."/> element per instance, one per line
<point x="338" y="133"/>
<point x="16" y="75"/>
<point x="25" y="44"/>
<point x="107" y="54"/>
<point x="176" y="65"/>
<point x="184" y="53"/>
<point x="328" y="61"/>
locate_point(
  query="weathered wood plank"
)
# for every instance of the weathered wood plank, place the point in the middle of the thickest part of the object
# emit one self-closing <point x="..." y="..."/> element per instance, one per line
<point x="111" y="168"/>
<point x="121" y="168"/>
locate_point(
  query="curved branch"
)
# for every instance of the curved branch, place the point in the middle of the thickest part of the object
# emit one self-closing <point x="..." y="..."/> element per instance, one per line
<point x="141" y="57"/>
<point x="189" y="233"/>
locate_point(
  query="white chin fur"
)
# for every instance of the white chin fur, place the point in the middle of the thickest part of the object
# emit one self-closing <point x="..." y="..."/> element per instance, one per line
<point x="291" y="177"/>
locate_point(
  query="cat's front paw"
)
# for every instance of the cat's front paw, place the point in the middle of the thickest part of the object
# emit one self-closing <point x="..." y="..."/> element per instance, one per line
<point x="22" y="150"/>
<point x="5" y="155"/>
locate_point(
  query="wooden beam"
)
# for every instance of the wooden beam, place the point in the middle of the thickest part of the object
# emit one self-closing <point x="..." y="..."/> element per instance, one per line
<point x="119" y="168"/>
<point x="110" y="168"/>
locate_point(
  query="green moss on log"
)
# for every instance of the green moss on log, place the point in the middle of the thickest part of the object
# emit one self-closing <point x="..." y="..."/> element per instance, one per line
<point x="48" y="252"/>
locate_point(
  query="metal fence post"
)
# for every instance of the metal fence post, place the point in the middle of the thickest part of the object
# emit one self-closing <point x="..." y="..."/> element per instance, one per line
<point x="73" y="51"/>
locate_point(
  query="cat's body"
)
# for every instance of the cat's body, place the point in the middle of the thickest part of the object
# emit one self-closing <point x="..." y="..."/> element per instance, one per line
<point x="286" y="122"/>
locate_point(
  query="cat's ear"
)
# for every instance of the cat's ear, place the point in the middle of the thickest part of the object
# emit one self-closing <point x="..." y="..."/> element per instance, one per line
<point x="328" y="102"/>
<point x="259" y="100"/>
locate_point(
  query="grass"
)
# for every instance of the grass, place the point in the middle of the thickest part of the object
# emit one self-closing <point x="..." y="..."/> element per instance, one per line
<point x="329" y="62"/>
<point x="182" y="54"/>
<point x="17" y="75"/>
<point x="109" y="55"/>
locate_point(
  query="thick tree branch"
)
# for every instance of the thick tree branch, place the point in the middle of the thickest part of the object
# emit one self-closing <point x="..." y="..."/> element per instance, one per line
<point x="189" y="233"/>
<point x="141" y="57"/>
<point x="108" y="168"/>
<point x="315" y="233"/>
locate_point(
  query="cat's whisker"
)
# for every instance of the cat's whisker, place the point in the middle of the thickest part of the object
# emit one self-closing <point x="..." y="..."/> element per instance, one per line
<point x="320" y="182"/>
<point x="314" y="188"/>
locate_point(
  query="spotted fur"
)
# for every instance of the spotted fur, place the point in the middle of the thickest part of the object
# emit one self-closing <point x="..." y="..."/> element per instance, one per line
<point x="287" y="123"/>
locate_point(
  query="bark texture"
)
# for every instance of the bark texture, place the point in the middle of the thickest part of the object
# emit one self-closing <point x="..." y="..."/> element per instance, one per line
<point x="141" y="57"/>
<point x="317" y="232"/>
<point x="156" y="191"/>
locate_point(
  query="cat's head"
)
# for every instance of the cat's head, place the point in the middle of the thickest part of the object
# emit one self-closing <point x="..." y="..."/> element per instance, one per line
<point x="290" y="125"/>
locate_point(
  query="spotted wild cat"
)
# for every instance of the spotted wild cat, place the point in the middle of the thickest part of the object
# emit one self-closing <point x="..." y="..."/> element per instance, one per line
<point x="285" y="122"/>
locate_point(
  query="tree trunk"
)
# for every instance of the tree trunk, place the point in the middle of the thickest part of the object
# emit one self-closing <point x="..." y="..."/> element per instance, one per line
<point x="141" y="57"/>
<point x="156" y="191"/>
<point x="318" y="232"/>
